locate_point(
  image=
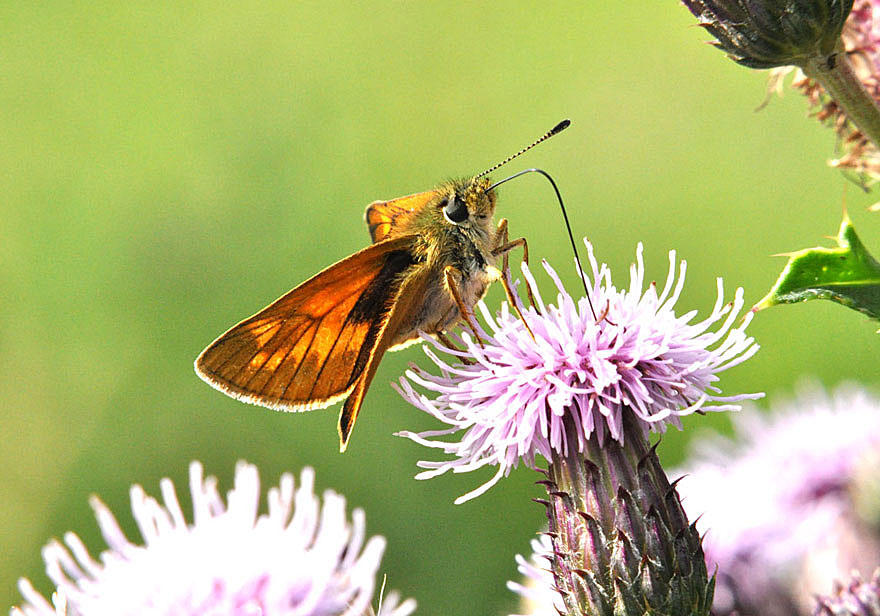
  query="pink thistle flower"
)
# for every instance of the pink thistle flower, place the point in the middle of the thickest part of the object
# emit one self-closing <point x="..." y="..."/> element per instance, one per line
<point x="641" y="359"/>
<point x="301" y="558"/>
<point x="781" y="507"/>
<point x="858" y="598"/>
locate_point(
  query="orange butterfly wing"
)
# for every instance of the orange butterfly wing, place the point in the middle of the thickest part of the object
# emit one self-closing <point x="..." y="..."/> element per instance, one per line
<point x="407" y="306"/>
<point x="383" y="217"/>
<point x="308" y="349"/>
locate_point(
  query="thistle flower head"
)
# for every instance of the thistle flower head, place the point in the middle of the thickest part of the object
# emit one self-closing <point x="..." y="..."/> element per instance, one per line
<point x="858" y="598"/>
<point x="510" y="394"/>
<point x="777" y="506"/>
<point x="768" y="33"/>
<point x="301" y="558"/>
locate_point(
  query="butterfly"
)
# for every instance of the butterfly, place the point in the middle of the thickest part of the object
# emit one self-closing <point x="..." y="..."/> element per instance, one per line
<point x="432" y="257"/>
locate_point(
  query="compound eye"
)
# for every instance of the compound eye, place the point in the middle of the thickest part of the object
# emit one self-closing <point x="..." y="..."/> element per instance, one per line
<point x="456" y="211"/>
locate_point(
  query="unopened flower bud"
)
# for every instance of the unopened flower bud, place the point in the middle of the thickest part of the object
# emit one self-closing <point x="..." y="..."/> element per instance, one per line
<point x="769" y="33"/>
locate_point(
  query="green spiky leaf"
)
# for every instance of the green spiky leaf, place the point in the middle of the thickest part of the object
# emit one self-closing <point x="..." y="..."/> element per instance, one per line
<point x="846" y="274"/>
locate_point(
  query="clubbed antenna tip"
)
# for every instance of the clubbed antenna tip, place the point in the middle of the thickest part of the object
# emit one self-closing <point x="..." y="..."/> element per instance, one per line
<point x="559" y="127"/>
<point x="553" y="131"/>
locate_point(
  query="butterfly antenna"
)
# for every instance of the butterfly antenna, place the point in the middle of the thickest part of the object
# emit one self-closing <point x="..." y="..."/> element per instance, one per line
<point x="553" y="131"/>
<point x="564" y="214"/>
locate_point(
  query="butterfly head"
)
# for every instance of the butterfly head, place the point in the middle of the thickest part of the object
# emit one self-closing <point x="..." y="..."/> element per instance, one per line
<point x="468" y="203"/>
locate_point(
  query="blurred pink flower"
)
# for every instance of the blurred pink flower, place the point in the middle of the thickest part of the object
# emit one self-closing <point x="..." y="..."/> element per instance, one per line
<point x="858" y="598"/>
<point x="300" y="558"/>
<point x="778" y="504"/>
<point x="538" y="588"/>
<point x="638" y="358"/>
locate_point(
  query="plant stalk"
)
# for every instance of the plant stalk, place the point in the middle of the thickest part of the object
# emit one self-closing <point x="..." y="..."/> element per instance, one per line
<point x="836" y="74"/>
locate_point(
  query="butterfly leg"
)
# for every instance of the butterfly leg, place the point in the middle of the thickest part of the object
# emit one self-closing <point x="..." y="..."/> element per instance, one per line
<point x="504" y="247"/>
<point x="449" y="274"/>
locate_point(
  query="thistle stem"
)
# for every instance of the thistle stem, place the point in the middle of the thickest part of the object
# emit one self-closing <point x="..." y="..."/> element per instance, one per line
<point x="836" y="74"/>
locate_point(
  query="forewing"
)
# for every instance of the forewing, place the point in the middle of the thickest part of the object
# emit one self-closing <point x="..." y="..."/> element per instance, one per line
<point x="407" y="309"/>
<point x="387" y="218"/>
<point x="308" y="348"/>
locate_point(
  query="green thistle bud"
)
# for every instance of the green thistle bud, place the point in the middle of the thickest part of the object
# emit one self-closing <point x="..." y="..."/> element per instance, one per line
<point x="770" y="33"/>
<point x="622" y="543"/>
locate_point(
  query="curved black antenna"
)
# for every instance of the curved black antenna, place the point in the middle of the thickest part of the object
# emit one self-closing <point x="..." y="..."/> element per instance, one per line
<point x="564" y="215"/>
<point x="553" y="131"/>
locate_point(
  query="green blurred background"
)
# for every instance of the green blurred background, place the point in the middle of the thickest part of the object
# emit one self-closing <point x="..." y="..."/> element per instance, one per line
<point x="168" y="170"/>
